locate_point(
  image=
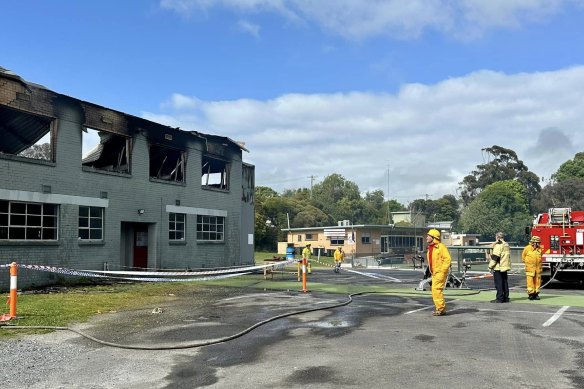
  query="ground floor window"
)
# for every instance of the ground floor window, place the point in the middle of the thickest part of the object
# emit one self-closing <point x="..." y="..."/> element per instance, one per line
<point x="28" y="221"/>
<point x="90" y="223"/>
<point x="337" y="241"/>
<point x="176" y="226"/>
<point x="401" y="242"/>
<point x="210" y="228"/>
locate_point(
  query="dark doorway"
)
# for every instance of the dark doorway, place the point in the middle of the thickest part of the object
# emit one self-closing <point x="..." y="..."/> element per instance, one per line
<point x="141" y="246"/>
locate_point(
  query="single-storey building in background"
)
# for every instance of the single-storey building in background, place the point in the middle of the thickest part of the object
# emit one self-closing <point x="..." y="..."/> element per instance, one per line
<point x="143" y="196"/>
<point x="363" y="240"/>
<point x="403" y="239"/>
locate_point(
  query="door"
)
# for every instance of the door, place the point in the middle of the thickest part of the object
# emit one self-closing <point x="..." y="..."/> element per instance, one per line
<point x="384" y="244"/>
<point x="141" y="246"/>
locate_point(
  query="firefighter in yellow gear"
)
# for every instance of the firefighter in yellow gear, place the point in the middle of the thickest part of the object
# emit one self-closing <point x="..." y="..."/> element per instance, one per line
<point x="339" y="256"/>
<point x="439" y="265"/>
<point x="306" y="254"/>
<point x="499" y="265"/>
<point x="531" y="257"/>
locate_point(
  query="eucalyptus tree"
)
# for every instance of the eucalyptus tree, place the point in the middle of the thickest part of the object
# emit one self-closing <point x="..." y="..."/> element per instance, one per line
<point x="501" y="206"/>
<point x="504" y="165"/>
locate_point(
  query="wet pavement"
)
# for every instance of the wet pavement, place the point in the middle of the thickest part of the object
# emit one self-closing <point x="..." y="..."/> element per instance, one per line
<point x="375" y="341"/>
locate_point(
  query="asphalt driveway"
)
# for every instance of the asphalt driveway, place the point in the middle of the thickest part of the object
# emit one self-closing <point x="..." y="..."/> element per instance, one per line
<point x="376" y="341"/>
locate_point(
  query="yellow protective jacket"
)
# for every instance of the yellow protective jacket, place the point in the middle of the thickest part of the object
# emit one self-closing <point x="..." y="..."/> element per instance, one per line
<point x="501" y="249"/>
<point x="306" y="253"/>
<point x="440" y="261"/>
<point x="338" y="256"/>
<point x="531" y="257"/>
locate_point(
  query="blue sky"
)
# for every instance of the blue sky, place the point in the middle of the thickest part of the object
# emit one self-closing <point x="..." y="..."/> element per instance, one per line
<point x="362" y="88"/>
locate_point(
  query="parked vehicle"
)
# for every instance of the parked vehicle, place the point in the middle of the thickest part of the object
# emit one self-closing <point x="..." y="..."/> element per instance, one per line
<point x="562" y="235"/>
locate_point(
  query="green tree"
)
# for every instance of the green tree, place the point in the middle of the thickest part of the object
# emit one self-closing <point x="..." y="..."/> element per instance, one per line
<point x="567" y="193"/>
<point x="335" y="196"/>
<point x="301" y="194"/>
<point x="42" y="151"/>
<point x="263" y="192"/>
<point x="570" y="169"/>
<point x="505" y="165"/>
<point x="501" y="206"/>
<point x="442" y="209"/>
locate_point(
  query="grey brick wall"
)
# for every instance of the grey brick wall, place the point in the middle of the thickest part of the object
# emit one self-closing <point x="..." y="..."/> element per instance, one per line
<point x="126" y="194"/>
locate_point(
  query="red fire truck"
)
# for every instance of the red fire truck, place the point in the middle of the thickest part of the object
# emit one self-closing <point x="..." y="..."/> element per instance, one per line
<point x="562" y="235"/>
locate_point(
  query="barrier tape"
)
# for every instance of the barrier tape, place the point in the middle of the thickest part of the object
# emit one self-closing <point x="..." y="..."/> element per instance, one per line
<point x="191" y="273"/>
<point x="153" y="276"/>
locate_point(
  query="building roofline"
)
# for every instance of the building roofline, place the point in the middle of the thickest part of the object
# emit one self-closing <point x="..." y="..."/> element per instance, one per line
<point x="6" y="73"/>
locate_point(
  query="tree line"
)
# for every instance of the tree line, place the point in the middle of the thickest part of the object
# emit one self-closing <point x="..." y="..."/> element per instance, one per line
<point x="500" y="195"/>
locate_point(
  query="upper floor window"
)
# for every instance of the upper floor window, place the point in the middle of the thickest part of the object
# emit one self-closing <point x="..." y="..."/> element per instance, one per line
<point x="210" y="228"/>
<point x="309" y="237"/>
<point x="107" y="151"/>
<point x="90" y="223"/>
<point x="215" y="173"/>
<point x="167" y="164"/>
<point x="26" y="135"/>
<point x="176" y="226"/>
<point x="28" y="221"/>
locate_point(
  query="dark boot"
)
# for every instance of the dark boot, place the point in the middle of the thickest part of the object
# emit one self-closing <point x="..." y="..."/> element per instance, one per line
<point x="536" y="296"/>
<point x="531" y="296"/>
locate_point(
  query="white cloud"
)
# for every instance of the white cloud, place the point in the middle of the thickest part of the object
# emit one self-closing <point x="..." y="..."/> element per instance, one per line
<point x="250" y="28"/>
<point x="464" y="19"/>
<point x="431" y="136"/>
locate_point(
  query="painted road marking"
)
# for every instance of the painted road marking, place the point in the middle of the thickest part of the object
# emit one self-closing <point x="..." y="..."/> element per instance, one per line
<point x="418" y="310"/>
<point x="374" y="275"/>
<point x="429" y="307"/>
<point x="556" y="316"/>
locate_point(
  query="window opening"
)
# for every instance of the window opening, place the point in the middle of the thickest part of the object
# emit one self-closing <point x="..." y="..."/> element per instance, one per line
<point x="215" y="173"/>
<point x="167" y="164"/>
<point x="26" y="135"/>
<point x="28" y="221"/>
<point x="105" y="151"/>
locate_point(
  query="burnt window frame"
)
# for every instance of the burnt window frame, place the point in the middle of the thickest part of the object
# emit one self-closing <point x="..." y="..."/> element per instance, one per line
<point x="12" y="117"/>
<point x="210" y="166"/>
<point x="13" y="219"/>
<point x="180" y="166"/>
<point x="123" y="164"/>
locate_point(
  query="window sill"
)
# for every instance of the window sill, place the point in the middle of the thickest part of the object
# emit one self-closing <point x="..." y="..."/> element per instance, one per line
<point x="34" y="161"/>
<point x="91" y="243"/>
<point x="210" y="242"/>
<point x="214" y="189"/>
<point x="177" y="242"/>
<point x="88" y="169"/>
<point x="179" y="183"/>
<point x="29" y="243"/>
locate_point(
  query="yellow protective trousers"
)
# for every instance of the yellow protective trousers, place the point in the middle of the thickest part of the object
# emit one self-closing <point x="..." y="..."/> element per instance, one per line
<point x="438" y="281"/>
<point x="533" y="282"/>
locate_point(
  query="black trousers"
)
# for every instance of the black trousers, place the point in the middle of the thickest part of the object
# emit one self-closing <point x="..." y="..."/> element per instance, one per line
<point x="501" y="285"/>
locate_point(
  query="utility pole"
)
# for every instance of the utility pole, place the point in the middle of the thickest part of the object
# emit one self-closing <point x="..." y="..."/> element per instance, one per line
<point x="388" y="213"/>
<point x="312" y="178"/>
